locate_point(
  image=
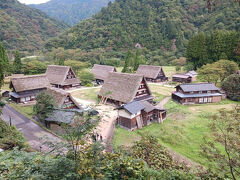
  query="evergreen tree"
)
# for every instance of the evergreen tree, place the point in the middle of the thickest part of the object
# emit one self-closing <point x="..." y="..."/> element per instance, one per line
<point x="197" y="50"/>
<point x="136" y="60"/>
<point x="127" y="62"/>
<point x="3" y="63"/>
<point x="17" y="64"/>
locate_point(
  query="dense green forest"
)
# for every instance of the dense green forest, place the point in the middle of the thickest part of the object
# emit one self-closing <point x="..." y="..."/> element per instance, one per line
<point x="162" y="28"/>
<point x="25" y="28"/>
<point x="71" y="11"/>
<point x="206" y="48"/>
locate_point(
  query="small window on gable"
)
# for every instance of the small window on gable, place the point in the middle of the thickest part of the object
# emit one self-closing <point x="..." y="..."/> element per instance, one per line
<point x="191" y="92"/>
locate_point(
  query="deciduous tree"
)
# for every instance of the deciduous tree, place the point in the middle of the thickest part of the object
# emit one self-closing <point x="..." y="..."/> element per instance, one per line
<point x="224" y="147"/>
<point x="44" y="106"/>
<point x="231" y="85"/>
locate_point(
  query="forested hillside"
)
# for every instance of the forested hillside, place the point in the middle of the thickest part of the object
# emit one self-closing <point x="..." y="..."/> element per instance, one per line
<point x="161" y="27"/>
<point x="25" y="28"/>
<point x="71" y="11"/>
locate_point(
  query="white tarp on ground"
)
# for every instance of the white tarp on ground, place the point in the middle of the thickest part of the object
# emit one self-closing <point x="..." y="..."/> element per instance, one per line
<point x="1" y="150"/>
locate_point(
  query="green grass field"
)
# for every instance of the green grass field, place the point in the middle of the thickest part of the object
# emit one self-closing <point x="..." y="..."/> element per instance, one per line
<point x="25" y="110"/>
<point x="87" y="94"/>
<point x="182" y="131"/>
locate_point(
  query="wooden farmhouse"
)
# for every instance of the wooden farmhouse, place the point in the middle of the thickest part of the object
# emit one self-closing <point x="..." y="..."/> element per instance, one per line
<point x="193" y="75"/>
<point x="122" y="88"/>
<point x="101" y="72"/>
<point x="26" y="88"/>
<point x="152" y="73"/>
<point x="62" y="77"/>
<point x="182" y="78"/>
<point x="197" y="93"/>
<point x="137" y="114"/>
<point x="67" y="109"/>
<point x="63" y="99"/>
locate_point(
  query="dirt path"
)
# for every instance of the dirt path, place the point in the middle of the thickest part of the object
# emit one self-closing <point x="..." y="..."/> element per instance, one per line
<point x="184" y="160"/>
<point x="34" y="134"/>
<point x="83" y="88"/>
<point x="107" y="124"/>
<point x="163" y="102"/>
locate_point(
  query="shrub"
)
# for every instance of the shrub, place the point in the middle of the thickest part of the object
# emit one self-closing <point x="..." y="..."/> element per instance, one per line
<point x="86" y="77"/>
<point x="10" y="137"/>
<point x="231" y="85"/>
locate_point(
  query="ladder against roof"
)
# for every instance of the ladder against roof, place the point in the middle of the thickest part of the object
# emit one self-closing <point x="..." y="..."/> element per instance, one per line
<point x="139" y="122"/>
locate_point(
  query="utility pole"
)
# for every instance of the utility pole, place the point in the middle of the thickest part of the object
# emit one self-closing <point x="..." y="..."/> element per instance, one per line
<point x="10" y="121"/>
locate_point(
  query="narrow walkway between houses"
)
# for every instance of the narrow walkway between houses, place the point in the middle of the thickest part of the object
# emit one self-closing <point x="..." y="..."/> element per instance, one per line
<point x="33" y="133"/>
<point x="163" y="102"/>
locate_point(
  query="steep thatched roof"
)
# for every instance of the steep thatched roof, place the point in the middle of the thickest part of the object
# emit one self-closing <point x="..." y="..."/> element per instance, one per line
<point x="101" y="71"/>
<point x="60" y="95"/>
<point x="25" y="83"/>
<point x="58" y="75"/>
<point x="149" y="71"/>
<point x="122" y="86"/>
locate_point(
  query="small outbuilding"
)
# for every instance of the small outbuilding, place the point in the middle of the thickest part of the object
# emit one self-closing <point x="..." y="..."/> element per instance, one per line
<point x="182" y="78"/>
<point x="193" y="75"/>
<point x="197" y="93"/>
<point x="26" y="88"/>
<point x="62" y="77"/>
<point x="123" y="88"/>
<point x="5" y="93"/>
<point x="137" y="114"/>
<point x="152" y="73"/>
<point x="101" y="72"/>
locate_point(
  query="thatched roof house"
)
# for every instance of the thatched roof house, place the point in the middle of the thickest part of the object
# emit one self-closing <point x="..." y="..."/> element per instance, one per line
<point x="121" y="88"/>
<point x="152" y="73"/>
<point x="101" y="71"/>
<point x="63" y="99"/>
<point x="62" y="77"/>
<point x="25" y="88"/>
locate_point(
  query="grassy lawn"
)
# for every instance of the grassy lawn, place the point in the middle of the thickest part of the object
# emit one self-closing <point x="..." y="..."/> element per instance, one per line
<point x="160" y="92"/>
<point x="25" y="110"/>
<point x="87" y="94"/>
<point x="182" y="131"/>
<point x="119" y="69"/>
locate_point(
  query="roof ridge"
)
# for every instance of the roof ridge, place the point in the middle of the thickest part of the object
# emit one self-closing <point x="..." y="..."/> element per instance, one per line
<point x="29" y="76"/>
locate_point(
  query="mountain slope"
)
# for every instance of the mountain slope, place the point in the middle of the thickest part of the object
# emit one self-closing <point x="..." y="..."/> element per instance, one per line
<point x="25" y="28"/>
<point x="71" y="11"/>
<point x="161" y="26"/>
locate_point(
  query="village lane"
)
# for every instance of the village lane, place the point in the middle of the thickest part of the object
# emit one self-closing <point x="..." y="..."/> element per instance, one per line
<point x="35" y="136"/>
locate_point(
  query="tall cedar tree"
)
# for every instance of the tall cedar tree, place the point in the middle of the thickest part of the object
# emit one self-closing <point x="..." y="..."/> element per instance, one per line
<point x="3" y="63"/>
<point x="223" y="148"/>
<point x="205" y="48"/>
<point x="17" y="64"/>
